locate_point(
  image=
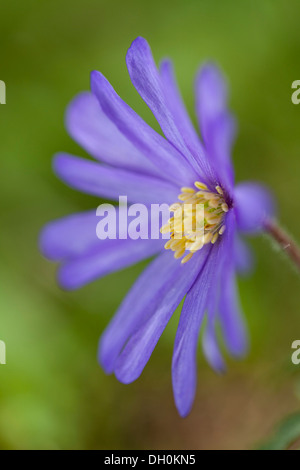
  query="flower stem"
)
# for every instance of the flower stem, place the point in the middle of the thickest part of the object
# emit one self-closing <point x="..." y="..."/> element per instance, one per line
<point x="284" y="240"/>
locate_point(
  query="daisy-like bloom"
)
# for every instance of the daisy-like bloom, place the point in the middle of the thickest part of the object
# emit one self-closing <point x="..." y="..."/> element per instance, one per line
<point x="134" y="160"/>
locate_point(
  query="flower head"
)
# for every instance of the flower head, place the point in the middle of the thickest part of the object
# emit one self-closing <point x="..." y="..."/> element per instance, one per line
<point x="134" y="160"/>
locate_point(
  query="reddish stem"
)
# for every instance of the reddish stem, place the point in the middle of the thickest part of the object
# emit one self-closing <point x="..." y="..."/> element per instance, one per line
<point x="284" y="241"/>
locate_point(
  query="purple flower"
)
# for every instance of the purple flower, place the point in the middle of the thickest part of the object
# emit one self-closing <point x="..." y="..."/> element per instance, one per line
<point x="134" y="160"/>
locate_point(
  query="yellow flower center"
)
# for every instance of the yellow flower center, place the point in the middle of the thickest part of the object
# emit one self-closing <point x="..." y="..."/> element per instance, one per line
<point x="197" y="220"/>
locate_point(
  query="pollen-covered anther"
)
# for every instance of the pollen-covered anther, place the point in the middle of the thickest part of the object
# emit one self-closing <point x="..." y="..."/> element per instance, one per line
<point x="200" y="185"/>
<point x="224" y="207"/>
<point x="197" y="220"/>
<point x="214" y="238"/>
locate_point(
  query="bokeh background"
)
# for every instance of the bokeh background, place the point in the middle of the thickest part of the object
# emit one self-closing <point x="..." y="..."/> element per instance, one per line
<point x="53" y="394"/>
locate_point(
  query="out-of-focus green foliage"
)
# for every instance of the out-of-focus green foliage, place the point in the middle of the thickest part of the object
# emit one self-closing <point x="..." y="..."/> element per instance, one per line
<point x="53" y="394"/>
<point x="287" y="435"/>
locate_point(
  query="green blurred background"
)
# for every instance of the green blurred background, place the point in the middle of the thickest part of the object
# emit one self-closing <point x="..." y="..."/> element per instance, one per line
<point x="53" y="394"/>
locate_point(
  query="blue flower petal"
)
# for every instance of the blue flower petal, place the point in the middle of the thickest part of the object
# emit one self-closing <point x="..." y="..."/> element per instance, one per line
<point x="218" y="127"/>
<point x="140" y="303"/>
<point x="211" y="98"/>
<point x="254" y="204"/>
<point x="184" y="368"/>
<point x="69" y="236"/>
<point x="151" y="87"/>
<point x="211" y="348"/>
<point x="91" y="128"/>
<point x="243" y="256"/>
<point x="178" y="109"/>
<point x="159" y="151"/>
<point x="230" y="315"/>
<point x="109" y="256"/>
<point x="108" y="182"/>
<point x="140" y="346"/>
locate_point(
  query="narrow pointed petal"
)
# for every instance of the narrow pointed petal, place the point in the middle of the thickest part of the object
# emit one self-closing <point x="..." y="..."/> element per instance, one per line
<point x="180" y="114"/>
<point x="139" y="304"/>
<point x="203" y="296"/>
<point x="229" y="311"/>
<point x="211" y="98"/>
<point x="109" y="256"/>
<point x="210" y="343"/>
<point x="230" y="315"/>
<point x="140" y="346"/>
<point x="69" y="236"/>
<point x="150" y="86"/>
<point x="243" y="256"/>
<point x="217" y="125"/>
<point x="219" y="148"/>
<point x="184" y="367"/>
<point x="159" y="151"/>
<point x="254" y="204"/>
<point x="145" y="78"/>
<point x="91" y="128"/>
<point x="109" y="182"/>
<point x="211" y="349"/>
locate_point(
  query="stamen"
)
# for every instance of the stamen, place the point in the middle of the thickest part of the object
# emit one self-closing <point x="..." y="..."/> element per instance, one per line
<point x="197" y="245"/>
<point x="184" y="196"/>
<point x="200" y="185"/>
<point x="208" y="196"/>
<point x="213" y="203"/>
<point x="191" y="228"/>
<point x="186" y="258"/>
<point x="187" y="190"/>
<point x="225" y="207"/>
<point x="174" y="207"/>
<point x="212" y="218"/>
<point x="168" y="244"/>
<point x="207" y="238"/>
<point x="165" y="228"/>
<point x="214" y="238"/>
<point x="179" y="252"/>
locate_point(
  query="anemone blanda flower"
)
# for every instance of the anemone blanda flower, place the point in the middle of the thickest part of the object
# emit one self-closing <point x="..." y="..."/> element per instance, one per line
<point x="134" y="160"/>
